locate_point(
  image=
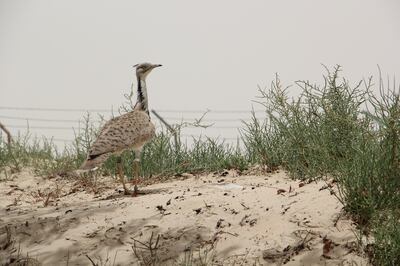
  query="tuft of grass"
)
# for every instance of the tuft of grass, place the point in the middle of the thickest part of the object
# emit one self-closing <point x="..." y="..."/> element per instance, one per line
<point x="263" y="143"/>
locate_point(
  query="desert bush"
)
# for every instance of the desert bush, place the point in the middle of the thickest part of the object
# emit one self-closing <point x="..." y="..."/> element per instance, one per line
<point x="310" y="134"/>
<point x="369" y="182"/>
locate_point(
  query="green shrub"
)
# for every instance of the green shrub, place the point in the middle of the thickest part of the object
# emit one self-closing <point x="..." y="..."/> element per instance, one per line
<point x="309" y="135"/>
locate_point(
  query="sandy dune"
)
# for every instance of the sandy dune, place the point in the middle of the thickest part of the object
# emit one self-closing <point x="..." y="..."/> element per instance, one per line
<point x="224" y="219"/>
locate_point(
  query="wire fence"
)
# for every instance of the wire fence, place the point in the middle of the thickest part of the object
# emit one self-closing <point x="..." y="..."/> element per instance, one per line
<point x="176" y="118"/>
<point x="217" y="123"/>
<point x="111" y="110"/>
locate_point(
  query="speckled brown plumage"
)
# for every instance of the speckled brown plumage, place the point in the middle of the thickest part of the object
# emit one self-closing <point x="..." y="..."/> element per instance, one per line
<point x="128" y="131"/>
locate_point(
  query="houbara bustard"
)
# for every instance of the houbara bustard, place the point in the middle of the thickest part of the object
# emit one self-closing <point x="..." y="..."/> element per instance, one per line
<point x="128" y="131"/>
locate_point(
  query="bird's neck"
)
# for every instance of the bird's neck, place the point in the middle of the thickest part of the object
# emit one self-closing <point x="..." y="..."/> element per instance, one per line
<point x="142" y="101"/>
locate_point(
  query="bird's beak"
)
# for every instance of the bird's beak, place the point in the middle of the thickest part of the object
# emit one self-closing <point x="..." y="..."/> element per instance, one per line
<point x="158" y="65"/>
<point x="135" y="65"/>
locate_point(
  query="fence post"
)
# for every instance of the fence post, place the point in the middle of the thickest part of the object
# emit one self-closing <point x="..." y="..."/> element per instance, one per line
<point x="170" y="128"/>
<point x="9" y="138"/>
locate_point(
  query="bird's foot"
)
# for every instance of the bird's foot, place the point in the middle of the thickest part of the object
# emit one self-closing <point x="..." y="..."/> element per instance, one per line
<point x="135" y="191"/>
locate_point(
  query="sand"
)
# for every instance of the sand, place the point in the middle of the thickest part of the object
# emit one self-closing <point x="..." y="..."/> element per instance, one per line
<point x="220" y="219"/>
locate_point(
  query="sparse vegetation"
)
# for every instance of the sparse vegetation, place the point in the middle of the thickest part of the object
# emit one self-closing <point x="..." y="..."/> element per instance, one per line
<point x="336" y="130"/>
<point x="161" y="157"/>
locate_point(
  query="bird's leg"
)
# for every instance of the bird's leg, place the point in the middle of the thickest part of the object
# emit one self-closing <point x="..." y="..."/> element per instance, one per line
<point x="94" y="179"/>
<point x="121" y="175"/>
<point x="136" y="172"/>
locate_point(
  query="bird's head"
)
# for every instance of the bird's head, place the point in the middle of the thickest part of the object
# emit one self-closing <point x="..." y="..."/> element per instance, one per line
<point x="143" y="69"/>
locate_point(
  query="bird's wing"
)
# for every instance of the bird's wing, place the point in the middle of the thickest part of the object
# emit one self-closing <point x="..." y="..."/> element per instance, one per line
<point x="123" y="132"/>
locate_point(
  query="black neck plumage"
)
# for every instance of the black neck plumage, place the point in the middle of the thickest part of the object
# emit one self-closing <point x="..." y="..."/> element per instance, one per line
<point x="142" y="101"/>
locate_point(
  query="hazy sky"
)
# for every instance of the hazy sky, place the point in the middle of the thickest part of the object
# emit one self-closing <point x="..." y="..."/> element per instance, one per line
<point x="78" y="54"/>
